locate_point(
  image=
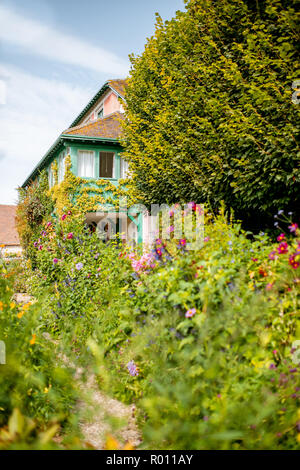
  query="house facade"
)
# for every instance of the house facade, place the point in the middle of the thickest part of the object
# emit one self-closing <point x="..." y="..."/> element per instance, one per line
<point x="92" y="142"/>
<point x="9" y="238"/>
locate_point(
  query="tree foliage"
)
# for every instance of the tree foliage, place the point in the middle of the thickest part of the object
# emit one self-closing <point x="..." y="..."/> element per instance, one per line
<point x="34" y="205"/>
<point x="209" y="112"/>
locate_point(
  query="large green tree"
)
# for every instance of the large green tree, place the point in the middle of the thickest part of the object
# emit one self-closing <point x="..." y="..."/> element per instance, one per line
<point x="210" y="115"/>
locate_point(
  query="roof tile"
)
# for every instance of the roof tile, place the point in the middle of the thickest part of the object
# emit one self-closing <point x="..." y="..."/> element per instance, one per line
<point x="108" y="127"/>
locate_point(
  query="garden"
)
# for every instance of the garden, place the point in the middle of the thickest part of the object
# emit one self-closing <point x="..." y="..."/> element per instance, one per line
<point x="203" y="342"/>
<point x="167" y="346"/>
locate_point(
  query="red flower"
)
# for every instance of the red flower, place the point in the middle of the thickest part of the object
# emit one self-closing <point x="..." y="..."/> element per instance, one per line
<point x="292" y="261"/>
<point x="283" y="248"/>
<point x="280" y="237"/>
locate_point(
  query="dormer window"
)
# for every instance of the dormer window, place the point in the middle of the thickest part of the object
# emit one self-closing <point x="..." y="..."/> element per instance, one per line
<point x="100" y="113"/>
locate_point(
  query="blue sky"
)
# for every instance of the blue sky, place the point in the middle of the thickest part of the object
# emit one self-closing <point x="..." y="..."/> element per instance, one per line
<point x="54" y="56"/>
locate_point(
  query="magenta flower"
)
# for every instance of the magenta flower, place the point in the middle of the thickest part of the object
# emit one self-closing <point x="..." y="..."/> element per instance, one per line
<point x="40" y="247"/>
<point x="70" y="236"/>
<point x="55" y="260"/>
<point x="190" y="313"/>
<point x="182" y="242"/>
<point x="49" y="224"/>
<point x="63" y="217"/>
<point x="280" y="237"/>
<point x="35" y="244"/>
<point x="192" y="205"/>
<point x="283" y="248"/>
<point x="293" y="227"/>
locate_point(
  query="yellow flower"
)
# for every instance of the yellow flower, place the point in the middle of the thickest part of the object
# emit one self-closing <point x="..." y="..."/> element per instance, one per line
<point x="26" y="306"/>
<point x="12" y="305"/>
<point x="32" y="341"/>
<point x="20" y="314"/>
<point x="1" y="306"/>
<point x="46" y="389"/>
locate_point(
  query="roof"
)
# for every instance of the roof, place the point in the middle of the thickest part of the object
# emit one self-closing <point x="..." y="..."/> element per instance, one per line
<point x="107" y="131"/>
<point x="8" y="231"/>
<point x="117" y="85"/>
<point x="108" y="127"/>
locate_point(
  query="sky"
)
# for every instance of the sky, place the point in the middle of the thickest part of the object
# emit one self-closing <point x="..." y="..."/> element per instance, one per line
<point x="54" y="56"/>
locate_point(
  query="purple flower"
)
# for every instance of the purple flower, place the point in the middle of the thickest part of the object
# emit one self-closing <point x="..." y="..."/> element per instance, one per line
<point x="293" y="227"/>
<point x="132" y="369"/>
<point x="35" y="244"/>
<point x="272" y="366"/>
<point x="190" y="313"/>
<point x="79" y="266"/>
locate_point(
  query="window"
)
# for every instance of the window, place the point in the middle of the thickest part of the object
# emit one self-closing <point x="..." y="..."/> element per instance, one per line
<point x="61" y="167"/>
<point x="50" y="177"/>
<point x="107" y="165"/>
<point x="100" y="113"/>
<point x="85" y="163"/>
<point x="124" y="168"/>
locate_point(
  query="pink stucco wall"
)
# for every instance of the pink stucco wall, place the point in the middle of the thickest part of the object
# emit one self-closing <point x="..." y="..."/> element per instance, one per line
<point x="111" y="104"/>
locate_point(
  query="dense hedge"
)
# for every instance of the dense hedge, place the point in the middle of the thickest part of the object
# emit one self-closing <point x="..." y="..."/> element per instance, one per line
<point x="209" y="109"/>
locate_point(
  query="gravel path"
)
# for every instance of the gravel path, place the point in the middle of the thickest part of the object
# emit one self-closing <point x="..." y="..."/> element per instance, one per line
<point x="101" y="416"/>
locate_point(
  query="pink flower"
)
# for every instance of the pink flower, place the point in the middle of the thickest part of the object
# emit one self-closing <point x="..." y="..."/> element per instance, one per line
<point x="293" y="227"/>
<point x="206" y="239"/>
<point x="190" y="313"/>
<point x="269" y="286"/>
<point x="170" y="229"/>
<point x="49" y="224"/>
<point x="70" y="236"/>
<point x="280" y="237"/>
<point x="283" y="248"/>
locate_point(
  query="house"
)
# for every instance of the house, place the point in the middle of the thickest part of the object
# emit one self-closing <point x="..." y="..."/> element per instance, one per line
<point x="9" y="238"/>
<point x="92" y="141"/>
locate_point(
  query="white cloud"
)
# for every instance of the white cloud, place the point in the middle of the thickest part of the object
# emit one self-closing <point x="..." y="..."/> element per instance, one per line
<point x="37" y="110"/>
<point x="45" y="41"/>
